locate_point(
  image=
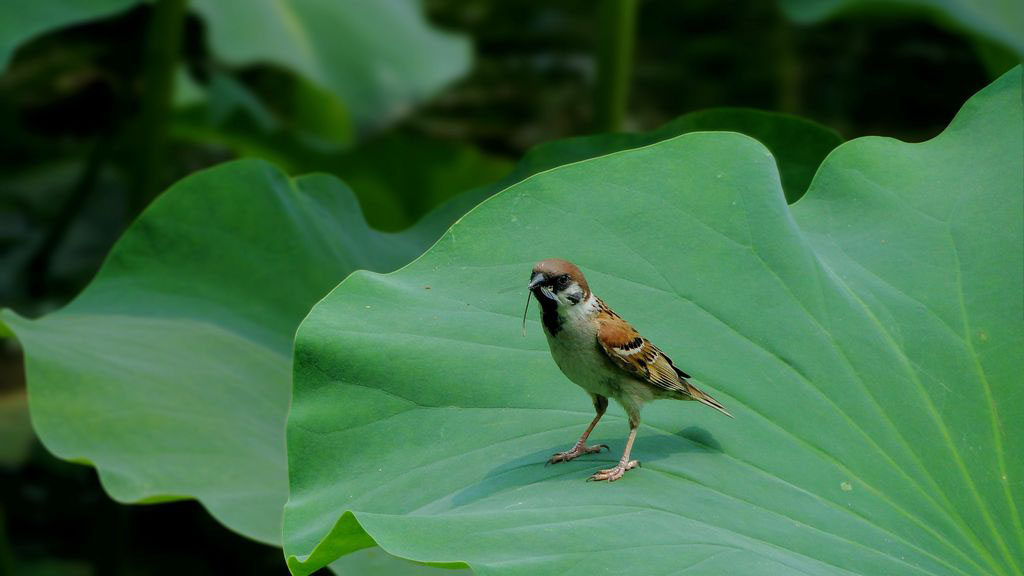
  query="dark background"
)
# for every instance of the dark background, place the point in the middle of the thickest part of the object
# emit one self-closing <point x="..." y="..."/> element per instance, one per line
<point x="69" y="117"/>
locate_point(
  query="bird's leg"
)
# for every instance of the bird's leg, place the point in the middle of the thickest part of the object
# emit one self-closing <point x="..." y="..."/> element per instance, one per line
<point x="581" y="448"/>
<point x="613" y="474"/>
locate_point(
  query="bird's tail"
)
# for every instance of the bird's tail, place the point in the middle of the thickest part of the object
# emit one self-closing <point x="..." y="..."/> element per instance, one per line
<point x="705" y="398"/>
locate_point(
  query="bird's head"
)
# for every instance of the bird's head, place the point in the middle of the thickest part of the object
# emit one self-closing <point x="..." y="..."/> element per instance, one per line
<point x="558" y="282"/>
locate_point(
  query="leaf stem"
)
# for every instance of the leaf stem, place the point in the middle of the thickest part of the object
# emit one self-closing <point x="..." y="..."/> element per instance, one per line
<point x="160" y="56"/>
<point x="616" y="38"/>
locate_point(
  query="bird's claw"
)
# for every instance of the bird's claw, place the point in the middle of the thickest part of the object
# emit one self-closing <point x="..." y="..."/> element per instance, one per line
<point x="577" y="450"/>
<point x="613" y="474"/>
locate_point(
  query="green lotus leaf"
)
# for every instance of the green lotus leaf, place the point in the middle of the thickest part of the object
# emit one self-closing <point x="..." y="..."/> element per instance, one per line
<point x="868" y="340"/>
<point x="377" y="56"/>
<point x="170" y="371"/>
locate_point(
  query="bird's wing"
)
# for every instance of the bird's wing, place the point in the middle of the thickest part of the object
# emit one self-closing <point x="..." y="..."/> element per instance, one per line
<point x="636" y="355"/>
<point x="642" y="359"/>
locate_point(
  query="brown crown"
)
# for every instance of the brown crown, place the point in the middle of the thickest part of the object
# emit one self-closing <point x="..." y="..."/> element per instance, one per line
<point x="554" y="267"/>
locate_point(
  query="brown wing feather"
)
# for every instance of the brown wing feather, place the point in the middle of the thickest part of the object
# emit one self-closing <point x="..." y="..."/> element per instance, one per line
<point x="639" y="357"/>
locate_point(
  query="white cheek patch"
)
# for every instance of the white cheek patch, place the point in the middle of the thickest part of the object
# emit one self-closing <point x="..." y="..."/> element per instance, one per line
<point x="572" y="294"/>
<point x="582" y="311"/>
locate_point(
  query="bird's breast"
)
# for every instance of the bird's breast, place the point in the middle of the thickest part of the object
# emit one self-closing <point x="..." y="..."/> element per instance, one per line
<point x="579" y="356"/>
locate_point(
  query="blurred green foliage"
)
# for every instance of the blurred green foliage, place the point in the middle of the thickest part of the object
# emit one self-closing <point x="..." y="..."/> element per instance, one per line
<point x="30" y="19"/>
<point x="999" y="21"/>
<point x="377" y="57"/>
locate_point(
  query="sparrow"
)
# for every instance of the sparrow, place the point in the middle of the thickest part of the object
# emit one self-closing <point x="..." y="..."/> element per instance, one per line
<point x="603" y="354"/>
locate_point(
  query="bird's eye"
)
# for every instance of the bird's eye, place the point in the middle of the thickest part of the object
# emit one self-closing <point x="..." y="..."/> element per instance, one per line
<point x="563" y="281"/>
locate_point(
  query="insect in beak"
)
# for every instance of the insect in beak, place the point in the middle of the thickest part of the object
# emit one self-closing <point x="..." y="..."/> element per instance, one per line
<point x="525" y="310"/>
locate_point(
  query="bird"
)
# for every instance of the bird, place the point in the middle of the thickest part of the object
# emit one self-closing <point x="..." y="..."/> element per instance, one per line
<point x="603" y="354"/>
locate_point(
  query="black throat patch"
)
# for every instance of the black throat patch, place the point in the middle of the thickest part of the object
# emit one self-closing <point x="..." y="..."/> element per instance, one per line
<point x="549" y="314"/>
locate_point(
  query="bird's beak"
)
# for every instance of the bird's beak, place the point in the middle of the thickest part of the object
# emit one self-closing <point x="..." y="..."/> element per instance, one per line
<point x="535" y="281"/>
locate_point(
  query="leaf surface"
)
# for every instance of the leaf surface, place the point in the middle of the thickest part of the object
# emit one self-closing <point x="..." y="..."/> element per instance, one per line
<point x="868" y="340"/>
<point x="169" y="372"/>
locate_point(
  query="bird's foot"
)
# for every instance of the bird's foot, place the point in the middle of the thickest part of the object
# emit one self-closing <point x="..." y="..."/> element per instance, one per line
<point x="613" y="474"/>
<point x="578" y="450"/>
